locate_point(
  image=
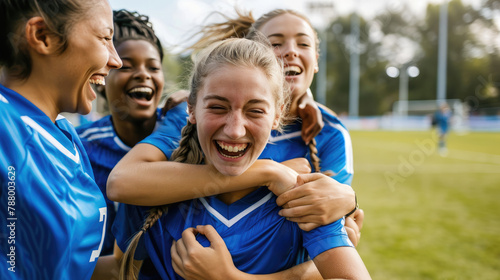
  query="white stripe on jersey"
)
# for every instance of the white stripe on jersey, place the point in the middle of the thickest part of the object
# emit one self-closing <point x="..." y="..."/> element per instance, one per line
<point x="100" y="136"/>
<point x="76" y="157"/>
<point x="348" y="147"/>
<point x="3" y="99"/>
<point x="284" y="137"/>
<point x="120" y="144"/>
<point x="238" y="217"/>
<point x="95" y="129"/>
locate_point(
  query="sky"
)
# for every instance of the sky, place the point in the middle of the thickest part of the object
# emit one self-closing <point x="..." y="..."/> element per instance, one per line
<point x="175" y="20"/>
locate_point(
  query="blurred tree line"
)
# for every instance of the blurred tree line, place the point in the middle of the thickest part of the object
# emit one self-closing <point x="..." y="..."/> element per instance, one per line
<point x="396" y="36"/>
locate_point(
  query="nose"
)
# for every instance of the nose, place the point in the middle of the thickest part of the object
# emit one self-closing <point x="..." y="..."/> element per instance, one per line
<point x="142" y="73"/>
<point x="114" y="61"/>
<point x="235" y="125"/>
<point x="289" y="50"/>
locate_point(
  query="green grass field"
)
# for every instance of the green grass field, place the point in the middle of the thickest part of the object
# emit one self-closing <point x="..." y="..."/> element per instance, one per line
<point x="428" y="216"/>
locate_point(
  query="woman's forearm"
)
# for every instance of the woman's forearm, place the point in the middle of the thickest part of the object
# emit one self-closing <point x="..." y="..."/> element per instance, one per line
<point x="145" y="177"/>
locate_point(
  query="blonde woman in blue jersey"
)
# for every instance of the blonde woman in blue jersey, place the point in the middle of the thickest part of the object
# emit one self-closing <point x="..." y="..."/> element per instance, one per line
<point x="235" y="101"/>
<point x="318" y="201"/>
<point x="53" y="214"/>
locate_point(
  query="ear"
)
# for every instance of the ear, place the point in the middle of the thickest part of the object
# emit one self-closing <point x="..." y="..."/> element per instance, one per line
<point x="277" y="117"/>
<point x="192" y="117"/>
<point x="316" y="68"/>
<point x="39" y="37"/>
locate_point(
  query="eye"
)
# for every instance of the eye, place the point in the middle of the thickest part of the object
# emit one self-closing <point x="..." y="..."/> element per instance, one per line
<point x="126" y="68"/>
<point x="276" y="45"/>
<point x="216" y="108"/>
<point x="256" y="112"/>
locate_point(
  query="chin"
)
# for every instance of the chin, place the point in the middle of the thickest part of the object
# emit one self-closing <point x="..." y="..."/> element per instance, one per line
<point x="84" y="110"/>
<point x="232" y="170"/>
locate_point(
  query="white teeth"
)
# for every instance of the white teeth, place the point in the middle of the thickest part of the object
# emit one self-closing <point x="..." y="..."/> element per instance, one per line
<point x="142" y="89"/>
<point x="98" y="82"/>
<point x="233" y="149"/>
<point x="295" y="69"/>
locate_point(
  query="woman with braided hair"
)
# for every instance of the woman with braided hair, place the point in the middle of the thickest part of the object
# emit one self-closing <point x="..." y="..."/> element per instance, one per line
<point x="236" y="99"/>
<point x="316" y="201"/>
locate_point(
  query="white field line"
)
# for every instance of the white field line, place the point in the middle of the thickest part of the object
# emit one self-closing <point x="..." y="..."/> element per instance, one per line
<point x="431" y="168"/>
<point x="452" y="153"/>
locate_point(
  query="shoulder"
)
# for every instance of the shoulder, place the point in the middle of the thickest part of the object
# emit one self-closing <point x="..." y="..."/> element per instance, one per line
<point x="333" y="125"/>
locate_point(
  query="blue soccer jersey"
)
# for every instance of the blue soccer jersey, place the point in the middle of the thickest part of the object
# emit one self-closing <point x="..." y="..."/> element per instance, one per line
<point x="259" y="240"/>
<point x="333" y="144"/>
<point x="250" y="227"/>
<point x="52" y="210"/>
<point x="105" y="150"/>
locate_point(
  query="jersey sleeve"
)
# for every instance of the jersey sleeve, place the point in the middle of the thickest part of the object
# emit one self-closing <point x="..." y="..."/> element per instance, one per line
<point x="127" y="224"/>
<point x="167" y="136"/>
<point x="335" y="151"/>
<point x="325" y="238"/>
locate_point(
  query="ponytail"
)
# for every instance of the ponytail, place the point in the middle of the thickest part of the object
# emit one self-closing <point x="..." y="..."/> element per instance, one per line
<point x="232" y="28"/>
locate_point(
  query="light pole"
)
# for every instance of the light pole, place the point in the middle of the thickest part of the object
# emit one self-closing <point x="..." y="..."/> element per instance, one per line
<point x="325" y="8"/>
<point x="405" y="72"/>
<point x="442" y="52"/>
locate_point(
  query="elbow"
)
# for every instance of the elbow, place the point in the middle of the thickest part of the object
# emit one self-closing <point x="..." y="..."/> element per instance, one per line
<point x="114" y="187"/>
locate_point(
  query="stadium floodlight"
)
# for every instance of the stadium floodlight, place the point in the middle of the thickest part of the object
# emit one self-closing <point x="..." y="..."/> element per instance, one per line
<point x="404" y="73"/>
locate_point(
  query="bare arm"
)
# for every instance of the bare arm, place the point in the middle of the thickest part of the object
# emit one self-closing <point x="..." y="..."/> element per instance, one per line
<point x="341" y="263"/>
<point x="108" y="267"/>
<point x="145" y="177"/>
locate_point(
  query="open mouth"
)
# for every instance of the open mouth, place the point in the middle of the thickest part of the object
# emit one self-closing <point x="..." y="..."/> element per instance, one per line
<point x="141" y="93"/>
<point x="292" y="71"/>
<point x="231" y="150"/>
<point x="97" y="80"/>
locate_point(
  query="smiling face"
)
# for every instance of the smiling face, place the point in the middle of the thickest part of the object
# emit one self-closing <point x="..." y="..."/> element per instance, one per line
<point x="133" y="91"/>
<point x="294" y="42"/>
<point x="234" y="113"/>
<point x="88" y="58"/>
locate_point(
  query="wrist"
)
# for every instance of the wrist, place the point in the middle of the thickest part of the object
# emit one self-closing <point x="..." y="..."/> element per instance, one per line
<point x="356" y="206"/>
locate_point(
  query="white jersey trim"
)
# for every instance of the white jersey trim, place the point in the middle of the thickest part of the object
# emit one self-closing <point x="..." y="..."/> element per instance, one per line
<point x="348" y="147"/>
<point x="30" y="122"/>
<point x="95" y="129"/>
<point x="284" y="137"/>
<point x="3" y="99"/>
<point x="238" y="217"/>
<point x="120" y="144"/>
<point x="100" y="136"/>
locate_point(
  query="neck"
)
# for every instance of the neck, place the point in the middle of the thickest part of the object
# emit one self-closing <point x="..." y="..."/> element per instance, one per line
<point x="231" y="197"/>
<point x="132" y="133"/>
<point x="37" y="92"/>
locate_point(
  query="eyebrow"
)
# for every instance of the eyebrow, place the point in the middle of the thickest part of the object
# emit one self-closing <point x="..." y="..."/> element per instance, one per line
<point x="281" y="35"/>
<point x="217" y="97"/>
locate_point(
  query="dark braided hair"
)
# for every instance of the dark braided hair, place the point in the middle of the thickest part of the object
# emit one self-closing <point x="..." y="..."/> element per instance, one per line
<point x="134" y="26"/>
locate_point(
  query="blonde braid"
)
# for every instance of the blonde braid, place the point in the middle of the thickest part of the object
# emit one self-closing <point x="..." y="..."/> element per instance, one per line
<point x="189" y="150"/>
<point x="314" y="155"/>
<point x="127" y="269"/>
<point x="315" y="159"/>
